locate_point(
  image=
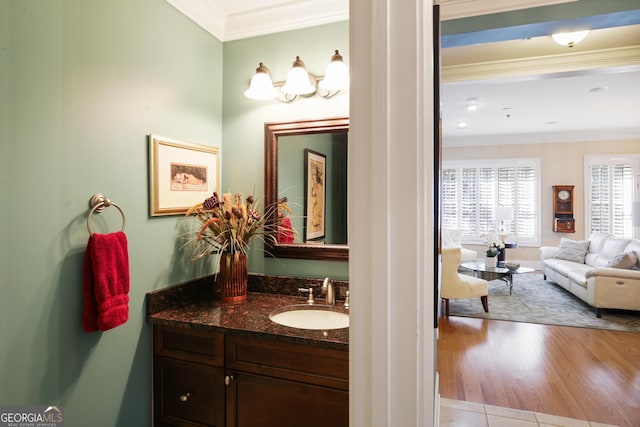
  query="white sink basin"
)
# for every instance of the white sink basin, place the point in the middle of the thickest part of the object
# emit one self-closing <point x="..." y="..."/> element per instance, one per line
<point x="311" y="317"/>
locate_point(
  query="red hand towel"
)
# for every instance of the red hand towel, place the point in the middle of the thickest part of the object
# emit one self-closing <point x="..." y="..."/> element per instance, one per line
<point x="285" y="231"/>
<point x="106" y="282"/>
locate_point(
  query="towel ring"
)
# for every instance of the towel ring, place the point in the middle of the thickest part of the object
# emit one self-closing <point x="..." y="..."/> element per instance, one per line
<point x="99" y="202"/>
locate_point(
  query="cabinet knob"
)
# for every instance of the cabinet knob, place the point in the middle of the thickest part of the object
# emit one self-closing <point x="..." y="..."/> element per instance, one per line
<point x="184" y="397"/>
<point x="228" y="379"/>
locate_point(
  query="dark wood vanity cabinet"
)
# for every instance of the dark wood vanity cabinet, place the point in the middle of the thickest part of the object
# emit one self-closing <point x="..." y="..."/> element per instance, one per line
<point x="188" y="377"/>
<point x="282" y="384"/>
<point x="204" y="378"/>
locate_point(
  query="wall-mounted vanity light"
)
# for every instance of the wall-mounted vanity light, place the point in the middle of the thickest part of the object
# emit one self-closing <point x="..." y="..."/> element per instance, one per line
<point x="300" y="82"/>
<point x="336" y="78"/>
<point x="261" y="86"/>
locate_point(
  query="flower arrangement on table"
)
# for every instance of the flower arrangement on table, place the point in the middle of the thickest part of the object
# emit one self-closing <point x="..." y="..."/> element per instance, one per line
<point x="225" y="229"/>
<point x="493" y="242"/>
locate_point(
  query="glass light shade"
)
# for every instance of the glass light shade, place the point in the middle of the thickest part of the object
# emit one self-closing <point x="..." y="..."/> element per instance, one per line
<point x="336" y="76"/>
<point x="298" y="82"/>
<point x="569" y="39"/>
<point x="261" y="86"/>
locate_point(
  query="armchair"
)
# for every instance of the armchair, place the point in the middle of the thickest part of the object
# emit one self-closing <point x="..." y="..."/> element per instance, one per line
<point x="451" y="239"/>
<point x="455" y="285"/>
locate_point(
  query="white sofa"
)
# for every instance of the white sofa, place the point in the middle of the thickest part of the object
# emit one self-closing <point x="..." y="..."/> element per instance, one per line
<point x="451" y="239"/>
<point x="605" y="278"/>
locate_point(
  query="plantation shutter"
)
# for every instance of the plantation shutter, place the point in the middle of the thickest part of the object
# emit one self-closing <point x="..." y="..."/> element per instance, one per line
<point x="472" y="191"/>
<point x="449" y="194"/>
<point x="526" y="209"/>
<point x="486" y="200"/>
<point x="611" y="198"/>
<point x="468" y="197"/>
<point x="600" y="199"/>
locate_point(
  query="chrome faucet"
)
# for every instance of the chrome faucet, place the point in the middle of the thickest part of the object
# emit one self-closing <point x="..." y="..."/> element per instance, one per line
<point x="308" y="291"/>
<point x="328" y="289"/>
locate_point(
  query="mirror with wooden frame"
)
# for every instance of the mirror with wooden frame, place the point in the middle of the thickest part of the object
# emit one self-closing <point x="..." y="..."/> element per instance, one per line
<point x="306" y="175"/>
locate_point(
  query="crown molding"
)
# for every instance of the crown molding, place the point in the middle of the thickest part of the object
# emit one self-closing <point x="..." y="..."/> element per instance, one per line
<point x="285" y="18"/>
<point x="205" y="13"/>
<point x="573" y="62"/>
<point x="629" y="134"/>
<point x="293" y="15"/>
<point x="455" y="9"/>
<point x="261" y="20"/>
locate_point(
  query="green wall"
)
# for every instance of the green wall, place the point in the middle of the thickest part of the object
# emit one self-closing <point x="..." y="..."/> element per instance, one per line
<point x="82" y="82"/>
<point x="243" y="132"/>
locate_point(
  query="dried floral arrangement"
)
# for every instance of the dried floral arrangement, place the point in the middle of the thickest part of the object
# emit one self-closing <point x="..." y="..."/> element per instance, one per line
<point x="228" y="224"/>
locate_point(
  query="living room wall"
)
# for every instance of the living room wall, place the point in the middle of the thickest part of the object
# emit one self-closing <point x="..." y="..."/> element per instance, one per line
<point x="562" y="164"/>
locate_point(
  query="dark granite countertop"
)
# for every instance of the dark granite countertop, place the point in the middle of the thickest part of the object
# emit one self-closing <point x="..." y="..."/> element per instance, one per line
<point x="250" y="317"/>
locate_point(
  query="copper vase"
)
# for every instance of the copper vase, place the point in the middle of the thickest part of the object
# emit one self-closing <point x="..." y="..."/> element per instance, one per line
<point x="233" y="276"/>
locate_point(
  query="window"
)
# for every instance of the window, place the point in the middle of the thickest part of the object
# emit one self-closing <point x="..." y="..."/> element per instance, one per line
<point x="611" y="188"/>
<point x="472" y="191"/>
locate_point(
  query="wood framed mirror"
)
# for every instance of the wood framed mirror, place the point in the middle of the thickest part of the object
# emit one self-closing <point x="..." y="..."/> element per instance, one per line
<point x="288" y="174"/>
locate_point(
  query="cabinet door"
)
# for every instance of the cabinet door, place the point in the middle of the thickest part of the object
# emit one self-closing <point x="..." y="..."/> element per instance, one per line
<point x="188" y="394"/>
<point x="261" y="401"/>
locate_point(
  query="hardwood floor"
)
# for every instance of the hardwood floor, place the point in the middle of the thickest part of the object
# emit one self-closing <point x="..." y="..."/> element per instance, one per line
<point x="581" y="373"/>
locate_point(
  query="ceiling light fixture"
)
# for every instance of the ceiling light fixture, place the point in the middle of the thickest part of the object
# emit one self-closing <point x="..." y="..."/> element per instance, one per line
<point x="300" y="82"/>
<point x="570" y="39"/>
<point x="472" y="104"/>
<point x="461" y="125"/>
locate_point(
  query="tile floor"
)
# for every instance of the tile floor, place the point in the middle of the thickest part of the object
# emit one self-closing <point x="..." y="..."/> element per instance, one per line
<point x="469" y="414"/>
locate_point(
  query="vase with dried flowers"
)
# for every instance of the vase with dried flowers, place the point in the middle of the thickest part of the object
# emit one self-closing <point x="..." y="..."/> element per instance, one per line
<point x="224" y="229"/>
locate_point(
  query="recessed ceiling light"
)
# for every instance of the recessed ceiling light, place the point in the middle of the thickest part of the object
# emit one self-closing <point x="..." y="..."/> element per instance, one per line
<point x="599" y="89"/>
<point x="551" y="122"/>
<point x="472" y="104"/>
<point x="461" y="125"/>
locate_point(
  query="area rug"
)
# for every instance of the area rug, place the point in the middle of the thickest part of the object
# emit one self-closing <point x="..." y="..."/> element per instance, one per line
<point x="535" y="300"/>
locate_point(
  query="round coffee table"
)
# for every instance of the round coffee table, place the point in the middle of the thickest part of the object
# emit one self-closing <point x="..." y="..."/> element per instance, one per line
<point x="481" y="270"/>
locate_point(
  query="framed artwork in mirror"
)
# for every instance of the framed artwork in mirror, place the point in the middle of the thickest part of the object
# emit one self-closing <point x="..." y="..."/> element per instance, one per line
<point x="181" y="174"/>
<point x="314" y="210"/>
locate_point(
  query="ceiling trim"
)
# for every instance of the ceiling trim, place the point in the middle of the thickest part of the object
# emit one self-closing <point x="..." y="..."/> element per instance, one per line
<point x="630" y="134"/>
<point x="260" y="21"/>
<point x="285" y="18"/>
<point x="579" y="61"/>
<point x="293" y="15"/>
<point x="455" y="9"/>
<point x="205" y="13"/>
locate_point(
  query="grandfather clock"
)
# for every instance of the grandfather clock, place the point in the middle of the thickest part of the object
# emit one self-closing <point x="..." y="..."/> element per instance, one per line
<point x="563" y="221"/>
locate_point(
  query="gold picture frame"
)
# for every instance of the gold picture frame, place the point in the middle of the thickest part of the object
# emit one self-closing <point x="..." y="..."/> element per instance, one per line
<point x="181" y="174"/>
